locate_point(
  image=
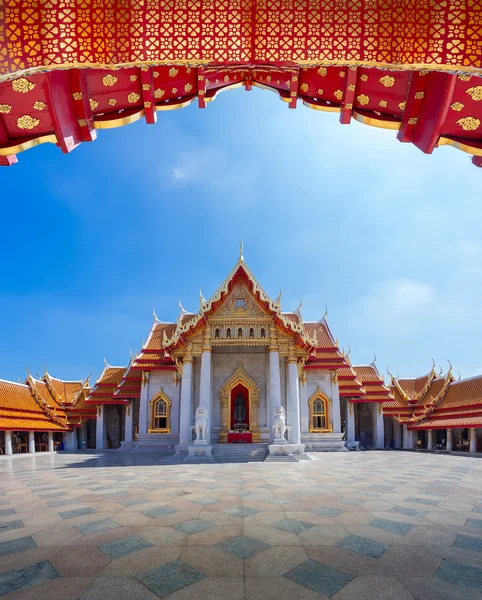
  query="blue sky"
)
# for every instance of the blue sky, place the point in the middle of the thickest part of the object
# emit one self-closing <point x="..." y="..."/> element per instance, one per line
<point x="387" y="237"/>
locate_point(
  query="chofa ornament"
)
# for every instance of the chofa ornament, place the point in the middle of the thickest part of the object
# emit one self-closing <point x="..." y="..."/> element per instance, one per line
<point x="201" y="423"/>
<point x="279" y="423"/>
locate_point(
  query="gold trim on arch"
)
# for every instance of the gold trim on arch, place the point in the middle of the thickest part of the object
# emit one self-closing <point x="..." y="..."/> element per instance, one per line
<point x="444" y="141"/>
<point x="320" y="395"/>
<point x="113" y="123"/>
<point x="43" y="139"/>
<point x="160" y="397"/>
<point x="380" y="123"/>
<point x="239" y="376"/>
<point x="455" y="68"/>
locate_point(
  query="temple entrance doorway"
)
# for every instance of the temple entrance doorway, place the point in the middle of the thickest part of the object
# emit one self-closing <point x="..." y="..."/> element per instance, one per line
<point x="239" y="409"/>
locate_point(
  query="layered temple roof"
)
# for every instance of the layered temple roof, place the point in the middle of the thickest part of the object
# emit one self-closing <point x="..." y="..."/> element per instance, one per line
<point x="407" y="68"/>
<point x="49" y="404"/>
<point x="105" y="387"/>
<point x="434" y="401"/>
<point x="373" y="383"/>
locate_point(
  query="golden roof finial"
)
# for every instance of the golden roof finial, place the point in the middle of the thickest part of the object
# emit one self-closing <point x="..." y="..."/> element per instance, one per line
<point x="450" y="370"/>
<point x="374" y="360"/>
<point x="349" y="350"/>
<point x="28" y="369"/>
<point x="241" y="248"/>
<point x="37" y="375"/>
<point x="440" y="372"/>
<point x="390" y="375"/>
<point x="154" y="315"/>
<point x="326" y="313"/>
<point x="45" y="368"/>
<point x="202" y="299"/>
<point x="105" y="361"/>
<point x="460" y="376"/>
<point x="433" y="365"/>
<point x="298" y="310"/>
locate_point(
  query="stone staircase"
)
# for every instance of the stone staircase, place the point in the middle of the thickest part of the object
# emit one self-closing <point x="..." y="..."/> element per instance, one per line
<point x="239" y="453"/>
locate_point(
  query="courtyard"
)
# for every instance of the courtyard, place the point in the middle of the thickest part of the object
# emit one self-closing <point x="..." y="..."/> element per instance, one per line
<point x="136" y="526"/>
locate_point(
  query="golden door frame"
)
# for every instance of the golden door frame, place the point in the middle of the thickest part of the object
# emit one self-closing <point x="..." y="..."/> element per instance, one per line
<point x="239" y="376"/>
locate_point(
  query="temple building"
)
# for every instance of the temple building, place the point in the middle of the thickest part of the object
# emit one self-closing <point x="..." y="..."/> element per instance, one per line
<point x="241" y="357"/>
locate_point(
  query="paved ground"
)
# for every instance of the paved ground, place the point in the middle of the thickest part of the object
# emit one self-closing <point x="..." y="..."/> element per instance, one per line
<point x="367" y="525"/>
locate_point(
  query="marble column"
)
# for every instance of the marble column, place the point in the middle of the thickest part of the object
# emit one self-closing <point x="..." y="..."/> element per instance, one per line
<point x="378" y="426"/>
<point x="449" y="446"/>
<point x="205" y="383"/>
<point x="100" y="428"/>
<point x="472" y="440"/>
<point x="335" y="415"/>
<point x="51" y="441"/>
<point x="293" y="400"/>
<point x="129" y="422"/>
<point x="31" y="442"/>
<point x="429" y="439"/>
<point x="144" y="404"/>
<point x="74" y="440"/>
<point x="407" y="438"/>
<point x="274" y="381"/>
<point x="350" y="424"/>
<point x="304" y="409"/>
<point x="397" y="435"/>
<point x="8" y="443"/>
<point x="185" y="427"/>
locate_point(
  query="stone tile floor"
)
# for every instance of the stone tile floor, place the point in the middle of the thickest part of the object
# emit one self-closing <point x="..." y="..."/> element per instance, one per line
<point x="366" y="525"/>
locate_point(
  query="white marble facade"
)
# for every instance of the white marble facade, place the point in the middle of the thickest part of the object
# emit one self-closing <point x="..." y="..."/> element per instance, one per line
<point x="255" y="362"/>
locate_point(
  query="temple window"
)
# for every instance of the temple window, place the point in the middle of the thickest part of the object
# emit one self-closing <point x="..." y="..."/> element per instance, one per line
<point x="263" y="333"/>
<point x="216" y="333"/>
<point x="160" y="421"/>
<point x="228" y="332"/>
<point x="240" y="333"/>
<point x="251" y="332"/>
<point x="319" y="415"/>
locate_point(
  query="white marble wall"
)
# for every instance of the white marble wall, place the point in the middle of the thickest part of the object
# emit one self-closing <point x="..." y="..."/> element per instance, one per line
<point x="322" y="379"/>
<point x="165" y="380"/>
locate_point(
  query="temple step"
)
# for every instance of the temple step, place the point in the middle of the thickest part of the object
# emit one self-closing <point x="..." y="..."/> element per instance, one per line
<point x="229" y="453"/>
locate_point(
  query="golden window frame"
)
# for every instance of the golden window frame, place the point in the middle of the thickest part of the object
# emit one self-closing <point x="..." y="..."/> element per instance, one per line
<point x="319" y="395"/>
<point x="159" y="397"/>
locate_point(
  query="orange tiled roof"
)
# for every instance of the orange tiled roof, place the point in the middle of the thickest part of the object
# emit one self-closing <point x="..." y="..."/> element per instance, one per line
<point x="21" y="409"/>
<point x="372" y="381"/>
<point x="22" y="424"/>
<point x="464" y="393"/>
<point x="454" y="422"/>
<point x="17" y="396"/>
<point x="348" y="383"/>
<point x="106" y="385"/>
<point x="65" y="390"/>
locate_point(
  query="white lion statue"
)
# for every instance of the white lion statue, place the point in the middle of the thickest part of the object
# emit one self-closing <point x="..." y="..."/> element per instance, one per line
<point x="201" y="424"/>
<point x="279" y="423"/>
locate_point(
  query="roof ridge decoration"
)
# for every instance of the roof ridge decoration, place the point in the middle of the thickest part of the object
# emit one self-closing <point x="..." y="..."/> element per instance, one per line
<point x="223" y="290"/>
<point x="435" y="402"/>
<point x="48" y="382"/>
<point x="85" y="386"/>
<point x="398" y="387"/>
<point x="431" y="376"/>
<point x="49" y="412"/>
